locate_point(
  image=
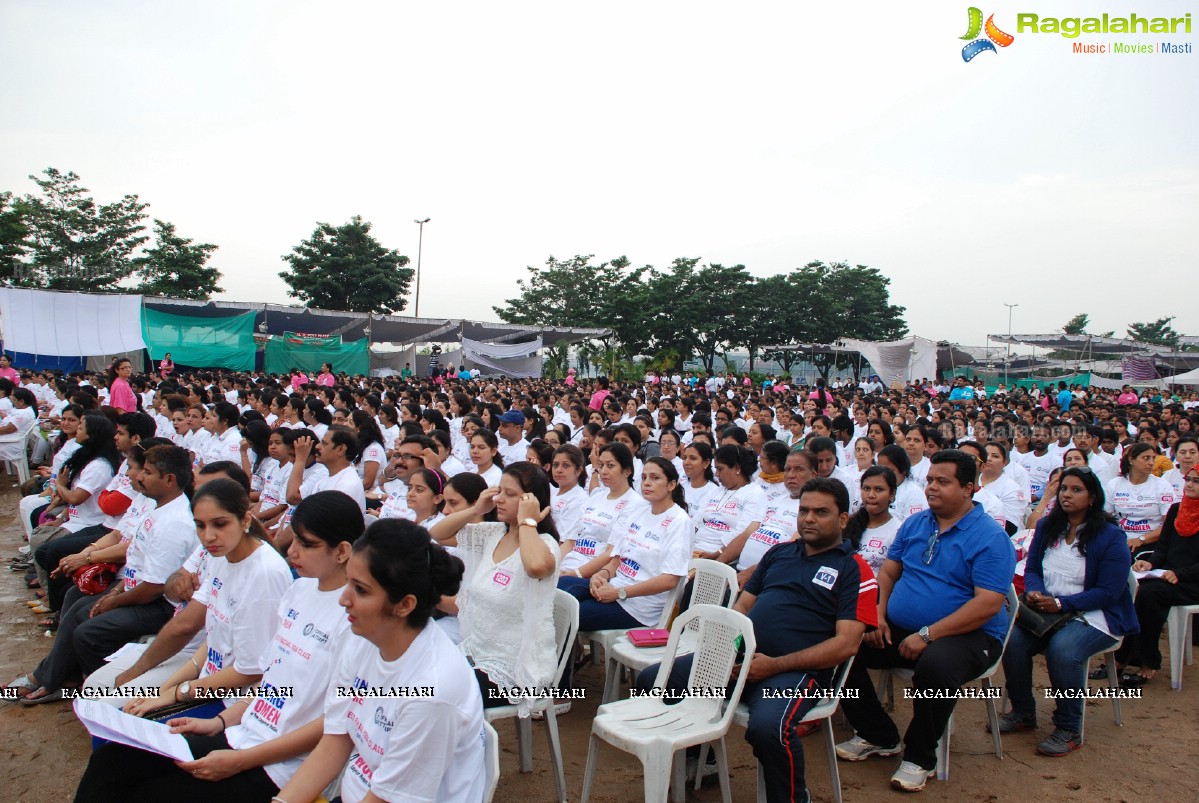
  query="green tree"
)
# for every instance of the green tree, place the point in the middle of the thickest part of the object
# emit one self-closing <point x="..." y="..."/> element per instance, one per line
<point x="1159" y="332"/>
<point x="564" y="293"/>
<point x="175" y="267"/>
<point x="345" y="268"/>
<point x="13" y="231"/>
<point x="75" y="244"/>
<point x="1077" y="325"/>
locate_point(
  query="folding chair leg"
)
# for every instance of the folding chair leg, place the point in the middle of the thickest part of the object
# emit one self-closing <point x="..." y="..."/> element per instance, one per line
<point x="834" y="774"/>
<point x="722" y="764"/>
<point x="589" y="772"/>
<point x="524" y="746"/>
<point x="1176" y="629"/>
<point x="1113" y="684"/>
<point x="943" y="752"/>
<point x="551" y="733"/>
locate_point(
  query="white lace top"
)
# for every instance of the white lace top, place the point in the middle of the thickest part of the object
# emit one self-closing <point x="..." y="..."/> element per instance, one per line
<point x="507" y="617"/>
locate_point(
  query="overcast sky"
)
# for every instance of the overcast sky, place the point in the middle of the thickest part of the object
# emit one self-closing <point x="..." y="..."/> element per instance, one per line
<point x="767" y="134"/>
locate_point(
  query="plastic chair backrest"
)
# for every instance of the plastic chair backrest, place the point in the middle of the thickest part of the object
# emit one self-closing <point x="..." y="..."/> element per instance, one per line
<point x="672" y="602"/>
<point x="566" y="627"/>
<point x="491" y="759"/>
<point x="715" y="654"/>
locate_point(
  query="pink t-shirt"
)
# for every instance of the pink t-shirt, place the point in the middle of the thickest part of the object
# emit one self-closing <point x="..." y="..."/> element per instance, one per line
<point x="298" y="381"/>
<point x="11" y="375"/>
<point x="120" y="396"/>
<point x="325" y="379"/>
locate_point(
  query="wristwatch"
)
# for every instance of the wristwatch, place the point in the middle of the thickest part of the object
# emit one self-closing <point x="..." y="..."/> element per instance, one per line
<point x="529" y="522"/>
<point x="621" y="595"/>
<point x="924" y="635"/>
<point x="184" y="689"/>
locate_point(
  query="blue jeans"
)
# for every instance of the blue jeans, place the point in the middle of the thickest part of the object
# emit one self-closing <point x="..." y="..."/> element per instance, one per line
<point x="1067" y="651"/>
<point x="593" y="614"/>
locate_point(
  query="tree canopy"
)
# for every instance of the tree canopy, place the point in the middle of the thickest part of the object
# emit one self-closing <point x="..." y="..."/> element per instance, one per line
<point x="690" y="310"/>
<point x="1159" y="332"/>
<point x="60" y="238"/>
<point x="345" y="268"/>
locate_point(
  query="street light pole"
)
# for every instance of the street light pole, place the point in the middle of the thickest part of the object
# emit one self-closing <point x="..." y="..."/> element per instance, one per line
<point x="419" y="248"/>
<point x="1008" y="358"/>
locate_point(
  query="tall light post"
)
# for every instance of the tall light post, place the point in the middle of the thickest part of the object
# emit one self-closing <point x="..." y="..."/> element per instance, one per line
<point x="420" y="244"/>
<point x="1006" y="359"/>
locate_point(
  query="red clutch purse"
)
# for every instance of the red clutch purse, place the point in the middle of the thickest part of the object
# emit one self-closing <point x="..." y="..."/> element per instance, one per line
<point x="649" y="637"/>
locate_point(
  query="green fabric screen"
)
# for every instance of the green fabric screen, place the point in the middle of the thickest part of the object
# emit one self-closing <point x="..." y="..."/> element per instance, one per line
<point x="350" y="357"/>
<point x="201" y="342"/>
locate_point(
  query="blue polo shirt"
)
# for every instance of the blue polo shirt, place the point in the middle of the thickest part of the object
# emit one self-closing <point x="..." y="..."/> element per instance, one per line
<point x="1064" y="399"/>
<point x="974" y="553"/>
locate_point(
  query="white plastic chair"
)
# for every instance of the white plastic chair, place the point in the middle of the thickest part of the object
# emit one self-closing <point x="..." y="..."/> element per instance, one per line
<point x="604" y="639"/>
<point x="1178" y="630"/>
<point x="658" y="733"/>
<point x="1109" y="660"/>
<point x="21" y="462"/>
<point x="886" y="677"/>
<point x="491" y="758"/>
<point x="566" y="625"/>
<point x="823" y="710"/>
<point x="715" y="583"/>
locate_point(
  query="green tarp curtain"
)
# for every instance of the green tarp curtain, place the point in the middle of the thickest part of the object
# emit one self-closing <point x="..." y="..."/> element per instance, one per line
<point x="201" y="342"/>
<point x="282" y="356"/>
<point x="991" y="380"/>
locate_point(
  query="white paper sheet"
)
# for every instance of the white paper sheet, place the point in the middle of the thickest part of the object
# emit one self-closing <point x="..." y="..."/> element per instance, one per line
<point x="1150" y="573"/>
<point x="132" y="650"/>
<point x="113" y="724"/>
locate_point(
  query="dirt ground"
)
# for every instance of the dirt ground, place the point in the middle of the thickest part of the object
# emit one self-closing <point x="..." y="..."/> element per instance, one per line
<point x="43" y="750"/>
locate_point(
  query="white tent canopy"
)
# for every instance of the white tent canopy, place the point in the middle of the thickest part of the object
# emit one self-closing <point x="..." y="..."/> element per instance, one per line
<point x="1188" y="378"/>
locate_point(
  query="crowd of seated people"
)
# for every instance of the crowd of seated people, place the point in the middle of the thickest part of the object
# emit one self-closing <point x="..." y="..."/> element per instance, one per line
<point x="263" y="563"/>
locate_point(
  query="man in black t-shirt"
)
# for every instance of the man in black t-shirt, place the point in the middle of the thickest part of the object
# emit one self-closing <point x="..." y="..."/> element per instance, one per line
<point x="810" y="600"/>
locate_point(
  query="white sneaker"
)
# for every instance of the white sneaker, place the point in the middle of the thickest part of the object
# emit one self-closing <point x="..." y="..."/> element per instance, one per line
<point x="910" y="777"/>
<point x="858" y="749"/>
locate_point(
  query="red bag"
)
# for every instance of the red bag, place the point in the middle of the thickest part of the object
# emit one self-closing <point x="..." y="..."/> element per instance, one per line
<point x="649" y="637"/>
<point x="95" y="578"/>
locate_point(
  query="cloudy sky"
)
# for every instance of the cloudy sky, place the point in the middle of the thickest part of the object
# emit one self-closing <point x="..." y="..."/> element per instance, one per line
<point x="767" y="134"/>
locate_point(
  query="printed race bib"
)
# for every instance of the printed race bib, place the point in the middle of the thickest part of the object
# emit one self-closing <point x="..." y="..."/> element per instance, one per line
<point x="502" y="578"/>
<point x="825" y="577"/>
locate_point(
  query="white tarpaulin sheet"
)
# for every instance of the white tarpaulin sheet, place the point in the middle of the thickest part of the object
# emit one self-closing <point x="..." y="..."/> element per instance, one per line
<point x="510" y="359"/>
<point x="70" y="324"/>
<point x="898" y="360"/>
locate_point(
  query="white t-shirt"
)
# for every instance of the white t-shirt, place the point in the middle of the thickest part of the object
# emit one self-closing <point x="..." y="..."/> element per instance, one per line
<point x="514" y="452"/>
<point x="1104" y="465"/>
<point x="602" y="521"/>
<point x="226" y="446"/>
<point x="698" y="498"/>
<point x="390" y="436"/>
<point x="22" y="418"/>
<point x="653" y="544"/>
<point x="727" y="515"/>
<point x="61" y="456"/>
<point x="311" y="629"/>
<point x="1038" y="468"/>
<point x="161" y="544"/>
<point x="94" y="477"/>
<point x="1175" y="478"/>
<point x="242" y="599"/>
<point x="140" y="507"/>
<point x="395" y="506"/>
<point x="348" y="482"/>
<point x="1011" y="499"/>
<point x="373" y="453"/>
<point x="567" y="510"/>
<point x="778" y="525"/>
<point x="1138" y="508"/>
<point x="491" y="475"/>
<point x="909" y="500"/>
<point x="876" y="541"/>
<point x="274" y="489"/>
<point x="919" y="472"/>
<point x="413" y="748"/>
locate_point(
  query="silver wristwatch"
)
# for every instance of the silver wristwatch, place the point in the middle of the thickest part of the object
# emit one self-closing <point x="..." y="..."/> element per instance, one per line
<point x="621" y="595"/>
<point x="924" y="635"/>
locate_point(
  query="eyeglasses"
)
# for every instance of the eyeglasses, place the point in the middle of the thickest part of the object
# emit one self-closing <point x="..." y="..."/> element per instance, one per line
<point x="932" y="544"/>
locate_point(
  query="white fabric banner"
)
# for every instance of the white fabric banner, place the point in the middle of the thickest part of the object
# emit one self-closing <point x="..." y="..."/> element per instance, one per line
<point x="70" y="324"/>
<point x="499" y="351"/>
<point x="898" y="360"/>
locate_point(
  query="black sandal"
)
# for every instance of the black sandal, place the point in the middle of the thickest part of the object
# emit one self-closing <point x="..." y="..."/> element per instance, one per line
<point x="1099" y="673"/>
